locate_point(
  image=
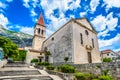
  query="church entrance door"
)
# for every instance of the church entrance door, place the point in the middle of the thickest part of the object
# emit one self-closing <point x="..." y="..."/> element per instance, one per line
<point x="89" y="57"/>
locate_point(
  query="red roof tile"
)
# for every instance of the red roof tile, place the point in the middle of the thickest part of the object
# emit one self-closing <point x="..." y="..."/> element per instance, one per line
<point x="106" y="51"/>
<point x="41" y="21"/>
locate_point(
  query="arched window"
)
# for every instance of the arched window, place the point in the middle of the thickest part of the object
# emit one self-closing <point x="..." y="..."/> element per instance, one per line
<point x="39" y="31"/>
<point x="93" y="43"/>
<point x="81" y="38"/>
<point x="45" y="49"/>
<point x="86" y="32"/>
<point x="42" y="32"/>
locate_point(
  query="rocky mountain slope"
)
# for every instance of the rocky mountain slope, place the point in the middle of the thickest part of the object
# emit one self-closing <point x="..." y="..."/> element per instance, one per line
<point x="21" y="39"/>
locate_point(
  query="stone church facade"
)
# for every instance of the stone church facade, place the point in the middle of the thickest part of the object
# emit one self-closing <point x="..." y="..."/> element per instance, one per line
<point x="76" y="40"/>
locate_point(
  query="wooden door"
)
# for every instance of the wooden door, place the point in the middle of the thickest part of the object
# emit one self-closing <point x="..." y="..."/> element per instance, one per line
<point x="89" y="57"/>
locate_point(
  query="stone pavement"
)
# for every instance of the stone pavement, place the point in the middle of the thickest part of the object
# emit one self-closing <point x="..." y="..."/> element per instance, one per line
<point x="25" y="73"/>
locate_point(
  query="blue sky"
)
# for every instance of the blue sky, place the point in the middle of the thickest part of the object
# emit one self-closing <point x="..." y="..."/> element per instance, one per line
<point x="21" y="15"/>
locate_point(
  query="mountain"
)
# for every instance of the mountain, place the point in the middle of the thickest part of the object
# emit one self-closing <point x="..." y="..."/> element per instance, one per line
<point x="21" y="39"/>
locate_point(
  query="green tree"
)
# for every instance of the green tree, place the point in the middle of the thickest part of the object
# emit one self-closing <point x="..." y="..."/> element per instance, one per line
<point x="10" y="49"/>
<point x="21" y="56"/>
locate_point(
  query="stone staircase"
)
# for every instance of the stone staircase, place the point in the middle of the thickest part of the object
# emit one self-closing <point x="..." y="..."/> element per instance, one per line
<point x="19" y="72"/>
<point x="22" y="71"/>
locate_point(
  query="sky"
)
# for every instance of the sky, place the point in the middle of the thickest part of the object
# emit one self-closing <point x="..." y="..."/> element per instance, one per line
<point x="104" y="15"/>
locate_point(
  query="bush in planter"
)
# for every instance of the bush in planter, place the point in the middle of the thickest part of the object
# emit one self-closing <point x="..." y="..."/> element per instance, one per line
<point x="50" y="67"/>
<point x="103" y="77"/>
<point x="34" y="60"/>
<point x="66" y="68"/>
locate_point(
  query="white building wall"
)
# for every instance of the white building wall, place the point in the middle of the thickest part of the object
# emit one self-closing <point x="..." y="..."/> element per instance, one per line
<point x="80" y="51"/>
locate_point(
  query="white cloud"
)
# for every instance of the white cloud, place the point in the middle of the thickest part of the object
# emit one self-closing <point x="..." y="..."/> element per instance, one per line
<point x="83" y="14"/>
<point x="118" y="14"/>
<point x="26" y="3"/>
<point x="93" y="5"/>
<point x="33" y="13"/>
<point x="106" y="44"/>
<point x="48" y="32"/>
<point x="3" y="20"/>
<point x="116" y="50"/>
<point x="9" y="0"/>
<point x="103" y="33"/>
<point x="31" y="5"/>
<point x="111" y="3"/>
<point x="105" y="24"/>
<point x="28" y="30"/>
<point x="99" y="23"/>
<point x="3" y="5"/>
<point x="74" y="5"/>
<point x="62" y="6"/>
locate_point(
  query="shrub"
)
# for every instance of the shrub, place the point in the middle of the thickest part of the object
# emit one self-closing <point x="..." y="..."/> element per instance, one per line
<point x="83" y="76"/>
<point x="95" y="79"/>
<point x="103" y="77"/>
<point x="80" y="76"/>
<point x="107" y="60"/>
<point x="43" y="63"/>
<point x="98" y="66"/>
<point x="50" y="67"/>
<point x="66" y="59"/>
<point x="34" y="60"/>
<point x="105" y="72"/>
<point x="66" y="68"/>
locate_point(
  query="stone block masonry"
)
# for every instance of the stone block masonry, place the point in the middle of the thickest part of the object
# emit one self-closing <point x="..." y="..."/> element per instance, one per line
<point x="98" y="68"/>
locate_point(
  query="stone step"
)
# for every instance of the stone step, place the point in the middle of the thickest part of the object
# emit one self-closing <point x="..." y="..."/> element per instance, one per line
<point x="30" y="78"/>
<point x="19" y="72"/>
<point x="42" y="77"/>
<point x="16" y="65"/>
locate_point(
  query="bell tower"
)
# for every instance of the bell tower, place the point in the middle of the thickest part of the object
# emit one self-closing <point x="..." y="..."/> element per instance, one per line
<point x="39" y="34"/>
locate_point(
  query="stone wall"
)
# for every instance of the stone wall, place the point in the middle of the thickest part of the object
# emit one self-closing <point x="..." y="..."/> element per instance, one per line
<point x="60" y="44"/>
<point x="98" y="68"/>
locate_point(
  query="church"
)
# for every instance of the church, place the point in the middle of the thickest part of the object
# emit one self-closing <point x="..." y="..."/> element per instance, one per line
<point x="76" y="39"/>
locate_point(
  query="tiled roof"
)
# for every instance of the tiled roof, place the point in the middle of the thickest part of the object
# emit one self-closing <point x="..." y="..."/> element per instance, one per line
<point x="41" y="21"/>
<point x="38" y="51"/>
<point x="106" y="51"/>
<point x="21" y="49"/>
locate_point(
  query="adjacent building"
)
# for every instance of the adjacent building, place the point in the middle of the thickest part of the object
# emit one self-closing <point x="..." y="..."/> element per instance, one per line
<point x="109" y="54"/>
<point x="76" y="39"/>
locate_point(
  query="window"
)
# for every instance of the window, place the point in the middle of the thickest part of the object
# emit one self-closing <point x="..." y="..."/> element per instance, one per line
<point x="39" y="31"/>
<point x="86" y="32"/>
<point x="45" y="49"/>
<point x="42" y="32"/>
<point x="52" y="38"/>
<point x="107" y="54"/>
<point x="93" y="43"/>
<point x="81" y="38"/>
